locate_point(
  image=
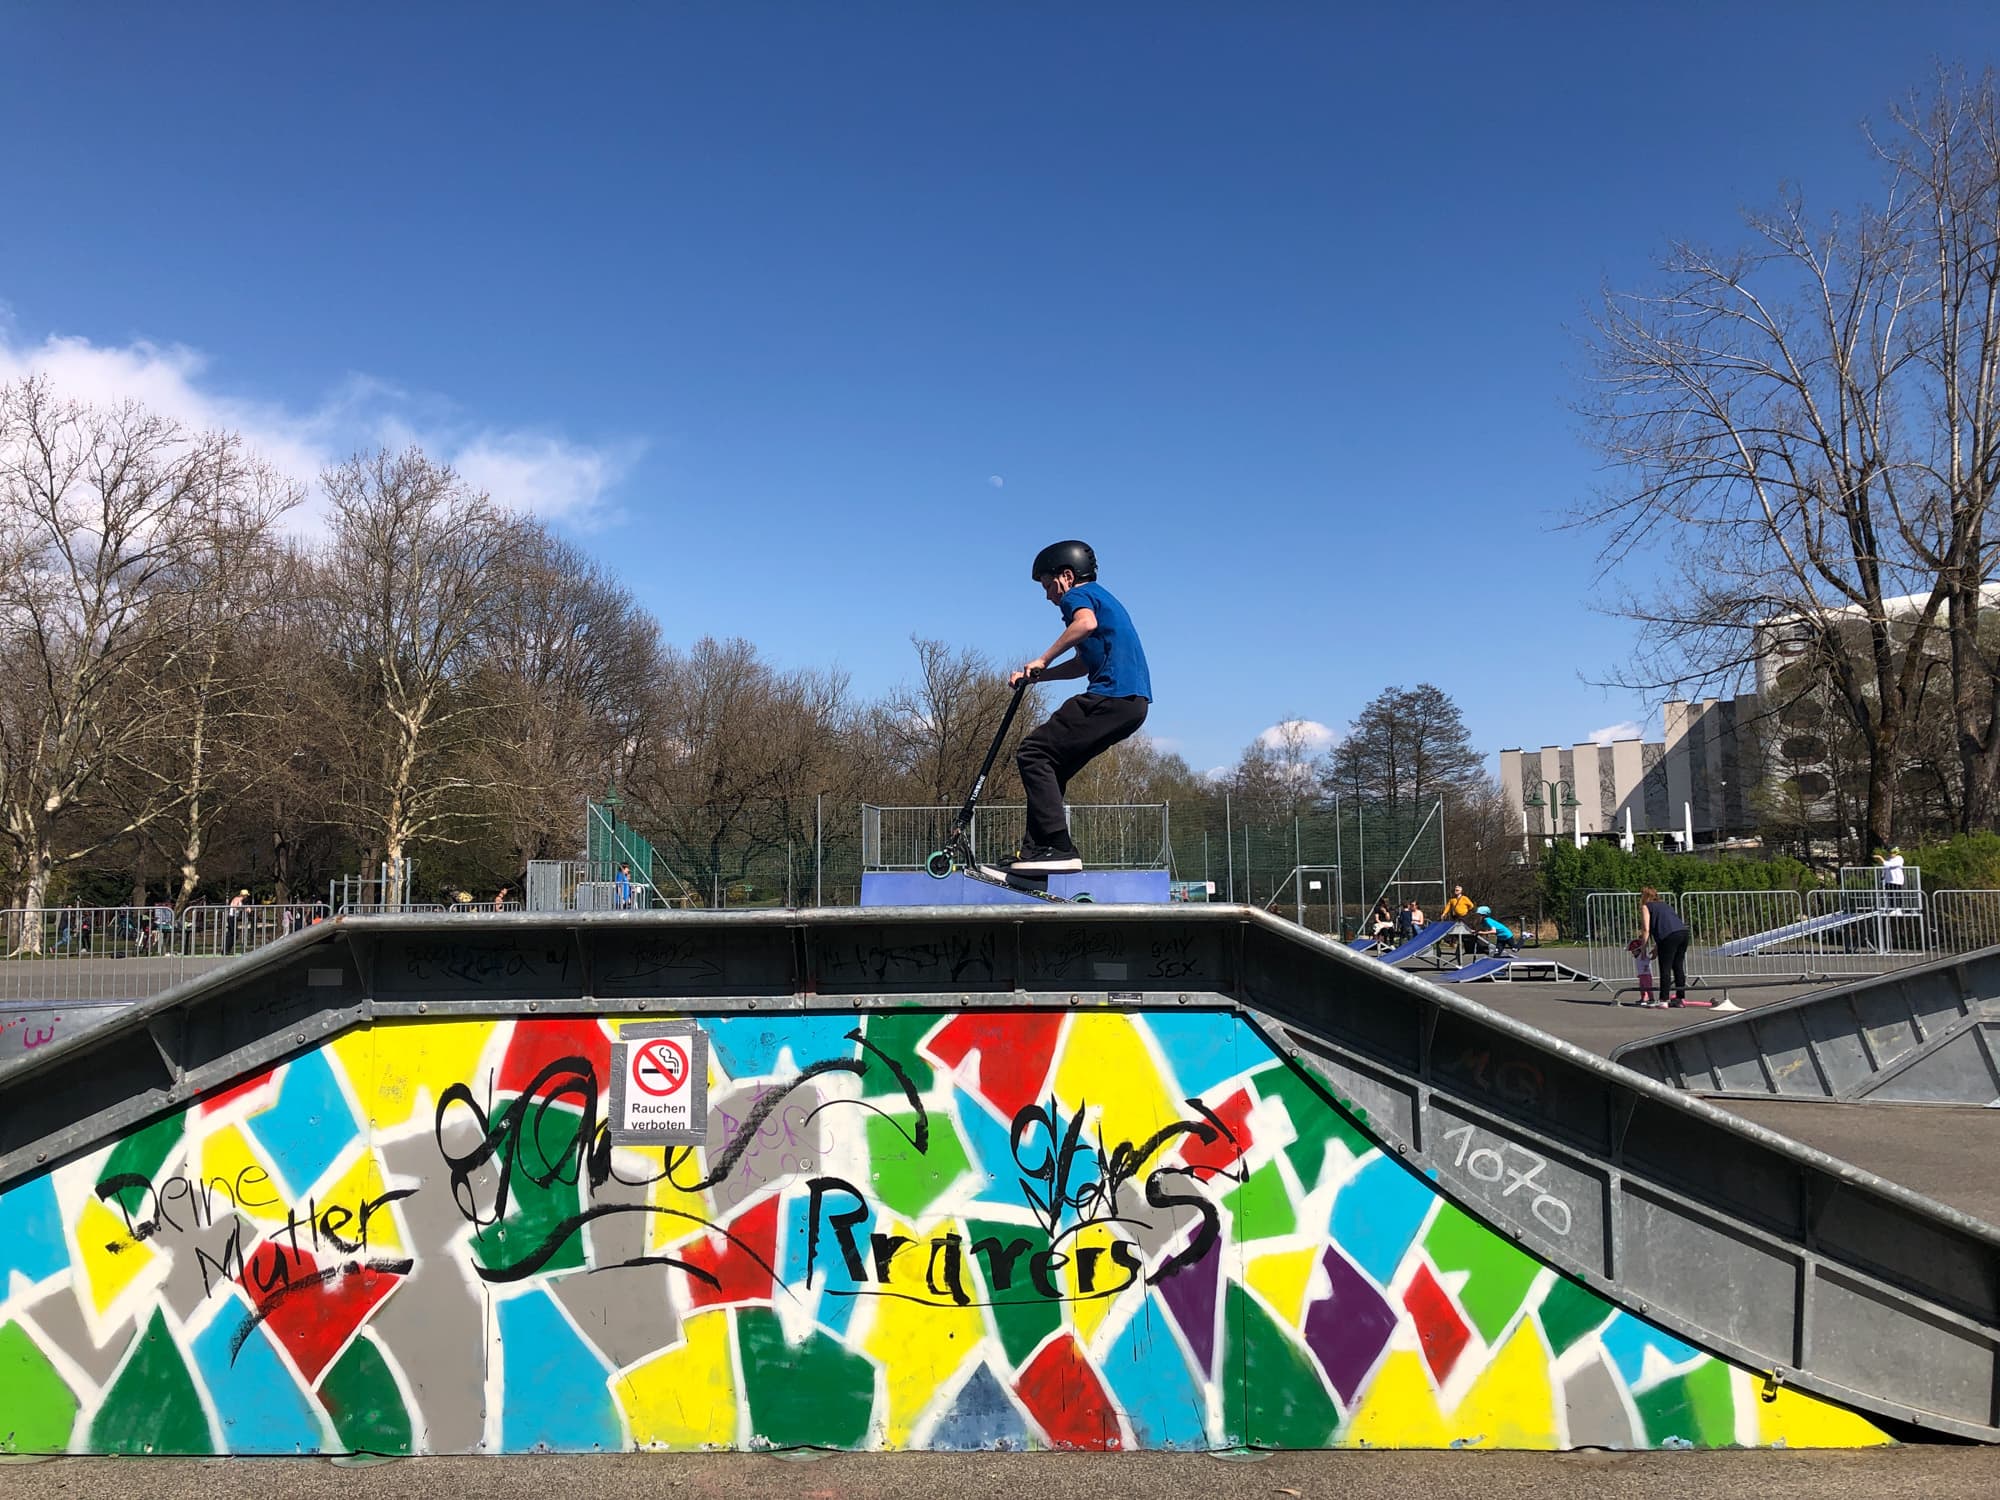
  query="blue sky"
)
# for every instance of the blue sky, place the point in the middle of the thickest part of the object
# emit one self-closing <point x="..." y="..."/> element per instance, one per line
<point x="815" y="322"/>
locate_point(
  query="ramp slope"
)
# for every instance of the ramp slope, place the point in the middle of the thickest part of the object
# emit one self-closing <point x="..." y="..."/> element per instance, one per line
<point x="972" y="1178"/>
<point x="1928" y="1035"/>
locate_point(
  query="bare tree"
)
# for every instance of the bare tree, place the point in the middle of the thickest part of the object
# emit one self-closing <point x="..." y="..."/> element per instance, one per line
<point x="106" y="516"/>
<point x="1944" y="152"/>
<point x="568" y="663"/>
<point x="409" y="585"/>
<point x="1808" y="433"/>
<point x="936" y="730"/>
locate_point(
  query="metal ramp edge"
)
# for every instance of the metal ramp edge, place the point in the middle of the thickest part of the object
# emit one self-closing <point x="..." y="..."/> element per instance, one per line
<point x="1756" y="942"/>
<point x="1915" y="1036"/>
<point x="1733" y="1238"/>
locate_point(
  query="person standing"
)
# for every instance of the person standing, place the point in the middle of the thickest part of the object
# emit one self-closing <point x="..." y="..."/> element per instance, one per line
<point x="231" y="918"/>
<point x="1662" y="928"/>
<point x="621" y="887"/>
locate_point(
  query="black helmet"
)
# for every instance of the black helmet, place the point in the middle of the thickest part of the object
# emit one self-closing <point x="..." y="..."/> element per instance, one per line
<point x="1073" y="555"/>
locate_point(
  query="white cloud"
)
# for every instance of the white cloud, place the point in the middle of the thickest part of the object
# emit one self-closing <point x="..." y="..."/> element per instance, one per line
<point x="1313" y="735"/>
<point x="1628" y="730"/>
<point x="523" y="469"/>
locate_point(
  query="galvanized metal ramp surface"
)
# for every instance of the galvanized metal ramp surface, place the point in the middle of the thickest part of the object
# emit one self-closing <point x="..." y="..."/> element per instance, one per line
<point x="1928" y="1035"/>
<point x="1746" y="1245"/>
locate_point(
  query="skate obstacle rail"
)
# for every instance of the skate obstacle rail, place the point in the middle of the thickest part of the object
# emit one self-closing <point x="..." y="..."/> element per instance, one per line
<point x="969" y="1177"/>
<point x="1924" y="1035"/>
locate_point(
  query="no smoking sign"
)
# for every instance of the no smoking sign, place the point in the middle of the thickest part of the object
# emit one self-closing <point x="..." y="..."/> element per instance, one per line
<point x="659" y="1083"/>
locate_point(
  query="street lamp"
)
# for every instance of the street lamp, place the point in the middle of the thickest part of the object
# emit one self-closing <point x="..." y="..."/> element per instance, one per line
<point x="1561" y="799"/>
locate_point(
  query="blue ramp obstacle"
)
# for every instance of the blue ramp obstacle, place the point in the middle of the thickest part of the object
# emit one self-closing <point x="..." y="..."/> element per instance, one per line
<point x="1479" y="968"/>
<point x="1428" y="938"/>
<point x="1106" y="887"/>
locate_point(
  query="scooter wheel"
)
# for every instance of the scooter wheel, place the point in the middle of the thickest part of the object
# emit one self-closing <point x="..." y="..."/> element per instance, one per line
<point x="938" y="865"/>
<point x="1084" y="898"/>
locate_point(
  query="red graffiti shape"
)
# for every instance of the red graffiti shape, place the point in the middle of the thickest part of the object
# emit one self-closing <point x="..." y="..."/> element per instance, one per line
<point x="230" y="1095"/>
<point x="312" y="1311"/>
<point x="1014" y="1055"/>
<point x="1210" y="1157"/>
<point x="734" y="1262"/>
<point x="536" y="1044"/>
<point x="1439" y="1327"/>
<point x="1063" y="1393"/>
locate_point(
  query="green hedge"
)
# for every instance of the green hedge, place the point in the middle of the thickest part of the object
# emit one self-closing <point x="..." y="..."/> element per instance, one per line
<point x="1569" y="873"/>
<point x="1968" y="862"/>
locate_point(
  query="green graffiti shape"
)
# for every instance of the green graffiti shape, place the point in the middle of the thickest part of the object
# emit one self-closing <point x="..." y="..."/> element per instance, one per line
<point x="897" y="1033"/>
<point x="1696" y="1408"/>
<point x="1272" y="1396"/>
<point x="1021" y="1315"/>
<point x="535" y="1210"/>
<point x="905" y="1181"/>
<point x="1499" y="1273"/>
<point x="1569" y="1311"/>
<point x="361" y="1396"/>
<point x="1261" y="1208"/>
<point x="817" y="1394"/>
<point x="1315" y="1121"/>
<point x="40" y="1408"/>
<point x="142" y="1154"/>
<point x="154" y="1406"/>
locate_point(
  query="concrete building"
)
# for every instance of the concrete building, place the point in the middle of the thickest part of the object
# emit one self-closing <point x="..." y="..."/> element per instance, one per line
<point x="1701" y="773"/>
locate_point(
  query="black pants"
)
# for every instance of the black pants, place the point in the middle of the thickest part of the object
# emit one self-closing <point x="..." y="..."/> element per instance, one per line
<point x="1076" y="734"/>
<point x="1673" y="951"/>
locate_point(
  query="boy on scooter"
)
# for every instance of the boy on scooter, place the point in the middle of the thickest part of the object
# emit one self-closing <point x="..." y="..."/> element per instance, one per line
<point x="1100" y="632"/>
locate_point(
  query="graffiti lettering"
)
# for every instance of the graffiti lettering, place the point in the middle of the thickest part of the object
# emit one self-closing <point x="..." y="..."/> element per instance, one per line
<point x="477" y="964"/>
<point x="1489" y="1165"/>
<point x="676" y="956"/>
<point x="247" y="1189"/>
<point x="951" y="958"/>
<point x="1175" y="958"/>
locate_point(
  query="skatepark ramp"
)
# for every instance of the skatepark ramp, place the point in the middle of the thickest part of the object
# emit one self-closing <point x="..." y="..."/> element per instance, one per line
<point x="942" y="1178"/>
<point x="1927" y="1035"/>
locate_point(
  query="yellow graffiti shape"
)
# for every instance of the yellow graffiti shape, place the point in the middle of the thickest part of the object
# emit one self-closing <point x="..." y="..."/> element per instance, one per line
<point x="1281" y="1278"/>
<point x="360" y="1192"/>
<point x="1796" y="1420"/>
<point x="1511" y="1405"/>
<point x="686" y="1397"/>
<point x="922" y="1337"/>
<point x="234" y="1176"/>
<point x="1398" y="1409"/>
<point x="112" y="1259"/>
<point x="397" y="1067"/>
<point x="684" y="1215"/>
<point x="1513" y="1402"/>
<point x="1088" y="1309"/>
<point x="1105" y="1065"/>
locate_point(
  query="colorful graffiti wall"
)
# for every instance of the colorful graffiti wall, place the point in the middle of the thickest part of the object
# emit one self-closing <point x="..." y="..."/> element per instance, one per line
<point x="904" y="1230"/>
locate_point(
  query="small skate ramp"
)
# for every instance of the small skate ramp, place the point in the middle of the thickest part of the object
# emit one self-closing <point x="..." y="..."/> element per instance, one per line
<point x="957" y="1178"/>
<point x="1928" y="1035"/>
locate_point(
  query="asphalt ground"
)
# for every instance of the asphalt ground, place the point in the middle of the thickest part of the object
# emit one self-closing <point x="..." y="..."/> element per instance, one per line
<point x="1947" y="1473"/>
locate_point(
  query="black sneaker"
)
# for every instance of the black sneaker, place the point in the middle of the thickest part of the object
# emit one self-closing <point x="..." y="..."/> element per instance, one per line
<point x="1044" y="859"/>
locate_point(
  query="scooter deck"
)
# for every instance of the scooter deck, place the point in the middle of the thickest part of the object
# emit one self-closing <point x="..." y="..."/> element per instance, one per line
<point x="1027" y="885"/>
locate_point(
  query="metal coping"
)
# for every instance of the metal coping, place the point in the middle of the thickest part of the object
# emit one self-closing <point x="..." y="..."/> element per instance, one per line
<point x="1831" y="1278"/>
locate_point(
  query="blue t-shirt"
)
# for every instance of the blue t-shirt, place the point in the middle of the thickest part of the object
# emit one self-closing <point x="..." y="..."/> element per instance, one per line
<point x="1116" y="660"/>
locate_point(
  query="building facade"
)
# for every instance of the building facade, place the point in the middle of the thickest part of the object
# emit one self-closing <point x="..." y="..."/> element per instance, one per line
<point x="1700" y="775"/>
